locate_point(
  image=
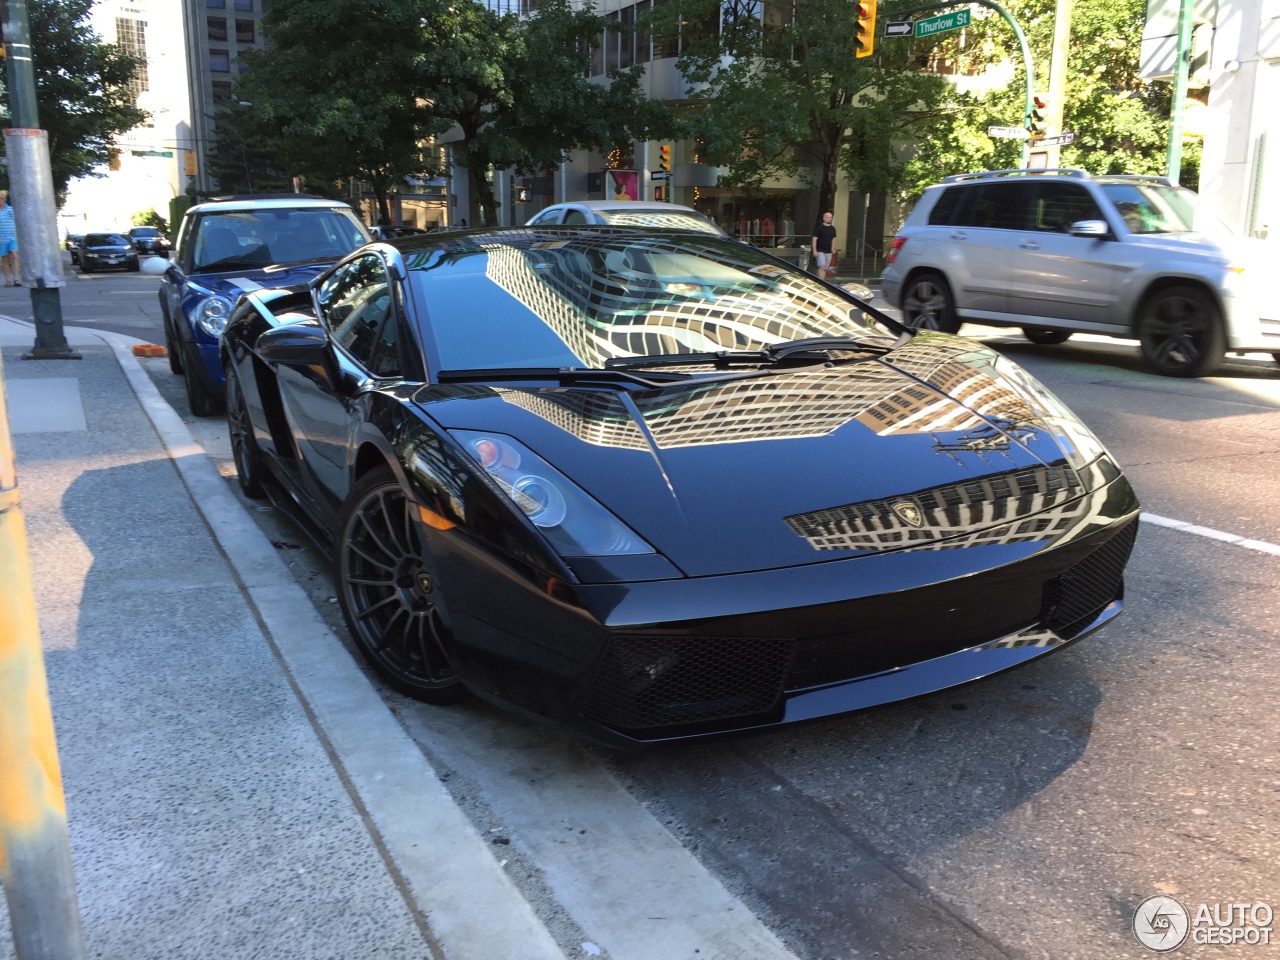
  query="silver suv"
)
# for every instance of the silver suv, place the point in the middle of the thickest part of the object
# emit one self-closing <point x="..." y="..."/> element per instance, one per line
<point x="1057" y="252"/>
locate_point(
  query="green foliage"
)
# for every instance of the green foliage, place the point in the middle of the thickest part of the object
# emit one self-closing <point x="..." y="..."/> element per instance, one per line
<point x="82" y="91"/>
<point x="149" y="218"/>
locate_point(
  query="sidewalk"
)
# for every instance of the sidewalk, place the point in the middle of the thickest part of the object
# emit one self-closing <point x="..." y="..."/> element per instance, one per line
<point x="235" y="787"/>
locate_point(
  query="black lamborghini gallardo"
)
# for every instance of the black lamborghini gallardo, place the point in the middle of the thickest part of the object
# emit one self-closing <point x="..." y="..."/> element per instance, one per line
<point x="657" y="484"/>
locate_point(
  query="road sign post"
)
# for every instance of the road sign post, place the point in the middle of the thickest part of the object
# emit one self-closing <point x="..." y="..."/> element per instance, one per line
<point x="1007" y="133"/>
<point x="900" y="28"/>
<point x="943" y="22"/>
<point x="1061" y="140"/>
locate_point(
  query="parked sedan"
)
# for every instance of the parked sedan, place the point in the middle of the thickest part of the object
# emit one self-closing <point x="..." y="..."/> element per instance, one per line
<point x="652" y="484"/>
<point x="626" y="213"/>
<point x="150" y="240"/>
<point x="98" y="251"/>
<point x="73" y="247"/>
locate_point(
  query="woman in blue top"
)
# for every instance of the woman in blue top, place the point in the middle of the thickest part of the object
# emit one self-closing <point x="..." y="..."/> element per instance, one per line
<point x="8" y="242"/>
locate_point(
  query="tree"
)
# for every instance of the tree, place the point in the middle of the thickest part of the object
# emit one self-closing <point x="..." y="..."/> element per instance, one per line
<point x="517" y="90"/>
<point x="787" y="97"/>
<point x="336" y="95"/>
<point x="149" y="218"/>
<point x="245" y="158"/>
<point x="82" y="89"/>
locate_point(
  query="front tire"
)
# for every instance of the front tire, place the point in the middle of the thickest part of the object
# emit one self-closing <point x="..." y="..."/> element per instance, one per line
<point x="170" y="341"/>
<point x="1046" y="337"/>
<point x="388" y="593"/>
<point x="927" y="304"/>
<point x="201" y="398"/>
<point x="1182" y="332"/>
<point x="251" y="470"/>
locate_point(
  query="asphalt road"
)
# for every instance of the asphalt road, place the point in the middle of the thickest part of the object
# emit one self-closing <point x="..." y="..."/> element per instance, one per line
<point x="1025" y="816"/>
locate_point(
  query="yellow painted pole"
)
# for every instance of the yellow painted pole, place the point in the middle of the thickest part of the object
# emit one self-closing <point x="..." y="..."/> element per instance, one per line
<point x="35" y="849"/>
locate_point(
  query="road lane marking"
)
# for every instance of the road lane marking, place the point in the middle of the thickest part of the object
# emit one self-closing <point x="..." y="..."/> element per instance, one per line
<point x="1235" y="539"/>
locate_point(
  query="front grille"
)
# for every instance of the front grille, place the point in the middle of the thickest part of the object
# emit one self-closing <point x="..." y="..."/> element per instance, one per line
<point x="648" y="682"/>
<point x="1077" y="595"/>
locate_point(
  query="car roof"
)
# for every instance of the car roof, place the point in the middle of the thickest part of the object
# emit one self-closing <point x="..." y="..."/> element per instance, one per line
<point x="625" y="205"/>
<point x="283" y="202"/>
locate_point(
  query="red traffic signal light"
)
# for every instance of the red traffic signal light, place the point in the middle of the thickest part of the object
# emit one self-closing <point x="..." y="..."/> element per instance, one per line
<point x="1039" y="124"/>
<point x="865" y="37"/>
<point x="664" y="158"/>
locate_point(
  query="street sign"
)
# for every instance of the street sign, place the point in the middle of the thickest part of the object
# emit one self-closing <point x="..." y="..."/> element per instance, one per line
<point x="659" y="174"/>
<point x="1061" y="140"/>
<point x="899" y="28"/>
<point x="1008" y="133"/>
<point x="942" y="23"/>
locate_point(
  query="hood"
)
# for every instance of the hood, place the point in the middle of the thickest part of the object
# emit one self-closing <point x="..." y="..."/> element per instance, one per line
<point x="1228" y="248"/>
<point x="923" y="450"/>
<point x="241" y="280"/>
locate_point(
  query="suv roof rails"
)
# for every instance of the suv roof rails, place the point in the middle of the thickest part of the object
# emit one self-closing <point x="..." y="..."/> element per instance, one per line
<point x="1140" y="177"/>
<point x="1020" y="172"/>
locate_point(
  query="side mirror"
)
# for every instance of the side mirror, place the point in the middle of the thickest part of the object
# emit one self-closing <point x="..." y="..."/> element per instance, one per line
<point x="154" y="266"/>
<point x="304" y="344"/>
<point x="1089" y="228"/>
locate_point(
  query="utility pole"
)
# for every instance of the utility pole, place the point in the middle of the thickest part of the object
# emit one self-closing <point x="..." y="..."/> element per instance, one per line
<point x="1058" y="76"/>
<point x="1181" y="71"/>
<point x="31" y="191"/>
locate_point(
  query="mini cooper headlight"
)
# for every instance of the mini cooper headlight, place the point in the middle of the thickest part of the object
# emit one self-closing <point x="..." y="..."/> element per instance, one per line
<point x="575" y="523"/>
<point x="212" y="315"/>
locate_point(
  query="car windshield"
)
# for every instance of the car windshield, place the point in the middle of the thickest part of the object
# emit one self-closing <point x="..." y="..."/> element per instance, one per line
<point x="544" y="299"/>
<point x="672" y="220"/>
<point x="105" y="240"/>
<point x="144" y="232"/>
<point x="1150" y="207"/>
<point x="259" y="238"/>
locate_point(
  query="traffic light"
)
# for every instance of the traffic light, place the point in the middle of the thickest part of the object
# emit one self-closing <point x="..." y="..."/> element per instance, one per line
<point x="1039" y="116"/>
<point x="664" y="158"/>
<point x="866" y="34"/>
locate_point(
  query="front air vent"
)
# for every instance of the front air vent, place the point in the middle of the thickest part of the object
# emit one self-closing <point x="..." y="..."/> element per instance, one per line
<point x="1077" y="595"/>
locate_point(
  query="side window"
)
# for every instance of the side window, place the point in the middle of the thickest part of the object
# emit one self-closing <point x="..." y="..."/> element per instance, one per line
<point x="1060" y="204"/>
<point x="1001" y="205"/>
<point x="573" y="215"/>
<point x="944" y="211"/>
<point x="355" y="304"/>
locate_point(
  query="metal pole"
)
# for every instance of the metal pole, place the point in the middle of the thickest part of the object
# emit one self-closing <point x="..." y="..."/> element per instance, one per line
<point x="866" y="205"/>
<point x="31" y="192"/>
<point x="1181" y="70"/>
<point x="35" y="850"/>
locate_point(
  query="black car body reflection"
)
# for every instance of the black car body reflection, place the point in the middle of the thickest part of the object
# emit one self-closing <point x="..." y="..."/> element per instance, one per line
<point x="654" y="485"/>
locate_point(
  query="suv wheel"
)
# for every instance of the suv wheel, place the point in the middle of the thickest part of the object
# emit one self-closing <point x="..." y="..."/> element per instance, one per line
<point x="927" y="304"/>
<point x="1046" y="337"/>
<point x="1181" y="332"/>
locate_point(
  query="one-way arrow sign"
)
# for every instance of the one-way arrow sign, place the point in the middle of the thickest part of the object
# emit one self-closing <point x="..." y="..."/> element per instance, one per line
<point x="899" y="28"/>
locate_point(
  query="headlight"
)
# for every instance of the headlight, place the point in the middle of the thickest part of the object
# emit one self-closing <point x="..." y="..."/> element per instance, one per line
<point x="1076" y="440"/>
<point x="575" y="523"/>
<point x="212" y="315"/>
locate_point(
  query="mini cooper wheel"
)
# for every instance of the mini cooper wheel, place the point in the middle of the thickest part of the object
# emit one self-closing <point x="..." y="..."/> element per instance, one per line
<point x="200" y="396"/>
<point x="927" y="304"/>
<point x="1181" y="331"/>
<point x="1046" y="337"/>
<point x="170" y="344"/>
<point x="251" y="471"/>
<point x="388" y="593"/>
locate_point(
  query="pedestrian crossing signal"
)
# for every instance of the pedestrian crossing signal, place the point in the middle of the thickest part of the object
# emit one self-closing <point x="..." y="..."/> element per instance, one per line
<point x="866" y="31"/>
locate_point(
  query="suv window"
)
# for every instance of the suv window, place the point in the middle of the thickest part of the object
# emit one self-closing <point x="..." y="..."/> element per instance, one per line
<point x="1059" y="204"/>
<point x="944" y="211"/>
<point x="355" y="303"/>
<point x="1000" y="205"/>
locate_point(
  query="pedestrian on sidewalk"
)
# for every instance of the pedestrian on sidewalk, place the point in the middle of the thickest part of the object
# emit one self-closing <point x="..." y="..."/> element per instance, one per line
<point x="8" y="242"/>
<point x="823" y="243"/>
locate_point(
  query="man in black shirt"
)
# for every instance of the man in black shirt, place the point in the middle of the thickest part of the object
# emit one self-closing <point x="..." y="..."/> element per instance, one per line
<point x="823" y="243"/>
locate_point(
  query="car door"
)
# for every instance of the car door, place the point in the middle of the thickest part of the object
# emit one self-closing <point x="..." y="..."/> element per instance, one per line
<point x="983" y="236"/>
<point x="1057" y="276"/>
<point x="324" y="405"/>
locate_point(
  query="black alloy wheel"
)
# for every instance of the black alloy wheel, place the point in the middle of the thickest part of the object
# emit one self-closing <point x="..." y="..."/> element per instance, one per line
<point x="170" y="343"/>
<point x="84" y="267"/>
<point x="927" y="304"/>
<point x="251" y="470"/>
<point x="1181" y="332"/>
<point x="200" y="396"/>
<point x="388" y="593"/>
<point x="1046" y="337"/>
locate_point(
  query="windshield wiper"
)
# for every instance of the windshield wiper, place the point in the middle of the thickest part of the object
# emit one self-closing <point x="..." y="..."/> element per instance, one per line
<point x="769" y="354"/>
<point x="778" y="351"/>
<point x="683" y="359"/>
<point x="562" y="374"/>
